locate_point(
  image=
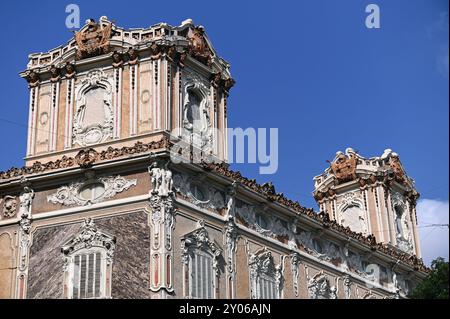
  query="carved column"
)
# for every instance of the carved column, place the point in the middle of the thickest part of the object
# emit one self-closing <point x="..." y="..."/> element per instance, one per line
<point x="25" y="199"/>
<point x="161" y="224"/>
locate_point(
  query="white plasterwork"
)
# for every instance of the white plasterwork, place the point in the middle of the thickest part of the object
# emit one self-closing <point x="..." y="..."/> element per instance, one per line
<point x="70" y="195"/>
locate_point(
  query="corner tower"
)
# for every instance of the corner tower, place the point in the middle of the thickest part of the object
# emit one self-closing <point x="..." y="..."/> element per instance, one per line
<point x="372" y="196"/>
<point x="113" y="87"/>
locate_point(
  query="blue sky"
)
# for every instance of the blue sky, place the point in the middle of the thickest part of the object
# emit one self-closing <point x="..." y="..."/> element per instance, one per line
<point x="310" y="68"/>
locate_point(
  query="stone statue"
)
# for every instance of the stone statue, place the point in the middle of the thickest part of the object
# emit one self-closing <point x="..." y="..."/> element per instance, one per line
<point x="162" y="182"/>
<point x="25" y="202"/>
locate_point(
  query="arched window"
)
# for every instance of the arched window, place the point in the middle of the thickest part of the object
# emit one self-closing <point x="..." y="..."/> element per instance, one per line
<point x="87" y="263"/>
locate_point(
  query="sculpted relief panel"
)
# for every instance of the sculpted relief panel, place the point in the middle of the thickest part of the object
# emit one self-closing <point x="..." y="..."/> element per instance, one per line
<point x="9" y="207"/>
<point x="90" y="191"/>
<point x="351" y="213"/>
<point x="93" y="122"/>
<point x="201" y="194"/>
<point x="196" y="111"/>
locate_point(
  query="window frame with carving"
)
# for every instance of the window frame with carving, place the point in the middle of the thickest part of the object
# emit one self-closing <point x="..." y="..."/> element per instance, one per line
<point x="89" y="241"/>
<point x="263" y="269"/>
<point x="197" y="244"/>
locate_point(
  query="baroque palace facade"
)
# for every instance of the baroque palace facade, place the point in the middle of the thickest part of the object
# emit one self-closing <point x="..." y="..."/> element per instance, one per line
<point x="101" y="211"/>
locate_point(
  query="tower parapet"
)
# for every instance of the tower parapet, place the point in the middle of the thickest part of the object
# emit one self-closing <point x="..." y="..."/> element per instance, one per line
<point x="373" y="196"/>
<point x="109" y="86"/>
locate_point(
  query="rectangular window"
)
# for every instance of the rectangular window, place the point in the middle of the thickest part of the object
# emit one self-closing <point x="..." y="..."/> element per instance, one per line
<point x="87" y="275"/>
<point x="201" y="277"/>
<point x="267" y="288"/>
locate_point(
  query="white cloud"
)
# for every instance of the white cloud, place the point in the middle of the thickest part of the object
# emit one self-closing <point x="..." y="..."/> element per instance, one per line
<point x="434" y="240"/>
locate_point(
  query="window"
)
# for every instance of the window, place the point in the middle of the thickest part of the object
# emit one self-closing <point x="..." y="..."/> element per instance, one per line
<point x="92" y="191"/>
<point x="267" y="287"/>
<point x="317" y="246"/>
<point x="265" y="277"/>
<point x="199" y="193"/>
<point x="87" y="263"/>
<point x="201" y="276"/>
<point x="87" y="275"/>
<point x="200" y="263"/>
<point x="261" y="220"/>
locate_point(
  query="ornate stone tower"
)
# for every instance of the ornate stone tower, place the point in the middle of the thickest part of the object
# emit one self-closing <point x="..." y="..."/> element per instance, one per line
<point x="372" y="196"/>
<point x="112" y="87"/>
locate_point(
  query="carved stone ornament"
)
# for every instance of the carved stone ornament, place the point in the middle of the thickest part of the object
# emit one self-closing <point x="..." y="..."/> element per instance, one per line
<point x="55" y="74"/>
<point x="70" y="70"/>
<point x="396" y="166"/>
<point x="25" y="200"/>
<point x="72" y="194"/>
<point x="90" y="236"/>
<point x="133" y="56"/>
<point x="319" y="287"/>
<point x="33" y="78"/>
<point x="199" y="240"/>
<point x="351" y="213"/>
<point x="401" y="222"/>
<point x="231" y="237"/>
<point x="93" y="122"/>
<point x="347" y="287"/>
<point x="344" y="167"/>
<point x="198" y="47"/>
<point x="262" y="265"/>
<point x="212" y="198"/>
<point x="117" y="60"/>
<point x="197" y="128"/>
<point x="9" y="206"/>
<point x="295" y="262"/>
<point x="86" y="158"/>
<point x="94" y="40"/>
